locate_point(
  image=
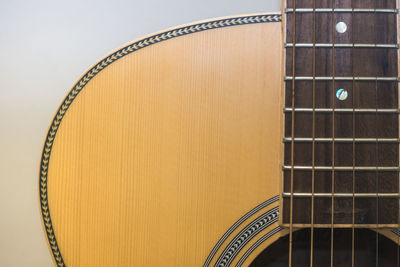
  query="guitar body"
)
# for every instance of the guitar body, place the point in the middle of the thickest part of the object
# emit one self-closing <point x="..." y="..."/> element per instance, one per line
<point x="169" y="152"/>
<point x="169" y="147"/>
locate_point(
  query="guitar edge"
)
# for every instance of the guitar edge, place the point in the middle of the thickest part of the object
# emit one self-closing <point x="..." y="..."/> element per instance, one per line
<point x="168" y="151"/>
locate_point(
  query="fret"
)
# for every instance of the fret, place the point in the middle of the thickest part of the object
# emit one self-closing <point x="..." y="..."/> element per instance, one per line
<point x="367" y="98"/>
<point x="337" y="78"/>
<point x="345" y="225"/>
<point x="341" y="152"/>
<point x="365" y="29"/>
<point x="342" y="140"/>
<point x="364" y="154"/>
<point x="344" y="195"/>
<point x="358" y="4"/>
<point x="343" y="62"/>
<point x="343" y="10"/>
<point x="365" y="181"/>
<point x="345" y="168"/>
<point x="342" y="110"/>
<point x="387" y="125"/>
<point x="341" y="45"/>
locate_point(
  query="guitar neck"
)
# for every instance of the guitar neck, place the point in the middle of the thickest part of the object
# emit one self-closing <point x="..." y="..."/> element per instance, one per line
<point x="367" y="21"/>
<point x="341" y="113"/>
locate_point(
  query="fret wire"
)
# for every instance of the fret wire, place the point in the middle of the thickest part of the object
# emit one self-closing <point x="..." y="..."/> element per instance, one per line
<point x="314" y="110"/>
<point x="342" y="140"/>
<point x="343" y="110"/>
<point x="292" y="133"/>
<point x="341" y="78"/>
<point x="342" y="195"/>
<point x="344" y="168"/>
<point x="342" y="225"/>
<point x="342" y="10"/>
<point x="333" y="110"/>
<point x="342" y="45"/>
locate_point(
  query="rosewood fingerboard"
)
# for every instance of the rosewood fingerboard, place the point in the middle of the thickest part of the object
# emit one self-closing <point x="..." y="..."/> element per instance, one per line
<point x="345" y="151"/>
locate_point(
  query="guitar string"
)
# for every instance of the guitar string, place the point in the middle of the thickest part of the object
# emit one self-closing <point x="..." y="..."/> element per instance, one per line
<point x="292" y="133"/>
<point x="333" y="130"/>
<point x="354" y="138"/>
<point x="376" y="142"/>
<point x="397" y="5"/>
<point x="313" y="138"/>
<point x="333" y="174"/>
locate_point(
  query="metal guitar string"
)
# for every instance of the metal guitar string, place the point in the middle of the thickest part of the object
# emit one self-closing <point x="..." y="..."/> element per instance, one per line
<point x="313" y="139"/>
<point x="292" y="133"/>
<point x="376" y="144"/>
<point x="354" y="140"/>
<point x="333" y="130"/>
<point x="397" y="5"/>
<point x="333" y="142"/>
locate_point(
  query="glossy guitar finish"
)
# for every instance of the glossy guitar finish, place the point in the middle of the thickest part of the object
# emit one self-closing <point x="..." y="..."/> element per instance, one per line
<point x="168" y="152"/>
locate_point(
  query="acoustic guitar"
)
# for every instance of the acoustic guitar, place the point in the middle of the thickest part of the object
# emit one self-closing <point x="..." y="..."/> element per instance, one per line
<point x="257" y="140"/>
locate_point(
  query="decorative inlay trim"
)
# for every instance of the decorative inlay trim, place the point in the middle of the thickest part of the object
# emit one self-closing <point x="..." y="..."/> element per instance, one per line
<point x="246" y="235"/>
<point x="396" y="232"/>
<point x="235" y="226"/>
<point x="257" y="244"/>
<point x="79" y="85"/>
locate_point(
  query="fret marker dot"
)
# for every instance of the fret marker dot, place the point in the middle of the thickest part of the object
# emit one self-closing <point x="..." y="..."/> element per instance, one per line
<point x="342" y="94"/>
<point x="341" y="27"/>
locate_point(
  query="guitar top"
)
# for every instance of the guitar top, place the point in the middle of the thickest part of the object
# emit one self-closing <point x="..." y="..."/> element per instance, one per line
<point x="168" y="146"/>
<point x="258" y="140"/>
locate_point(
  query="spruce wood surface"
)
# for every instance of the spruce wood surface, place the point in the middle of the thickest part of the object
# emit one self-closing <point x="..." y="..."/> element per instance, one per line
<point x="169" y="151"/>
<point x="166" y="148"/>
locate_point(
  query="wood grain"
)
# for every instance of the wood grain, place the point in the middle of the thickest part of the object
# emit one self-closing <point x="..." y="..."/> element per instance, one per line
<point x="168" y="147"/>
<point x="362" y="28"/>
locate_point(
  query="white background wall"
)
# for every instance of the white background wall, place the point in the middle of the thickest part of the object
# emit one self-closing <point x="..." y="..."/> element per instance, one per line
<point x="44" y="47"/>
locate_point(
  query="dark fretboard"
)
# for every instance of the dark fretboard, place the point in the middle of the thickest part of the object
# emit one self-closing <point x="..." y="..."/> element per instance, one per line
<point x="342" y="121"/>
